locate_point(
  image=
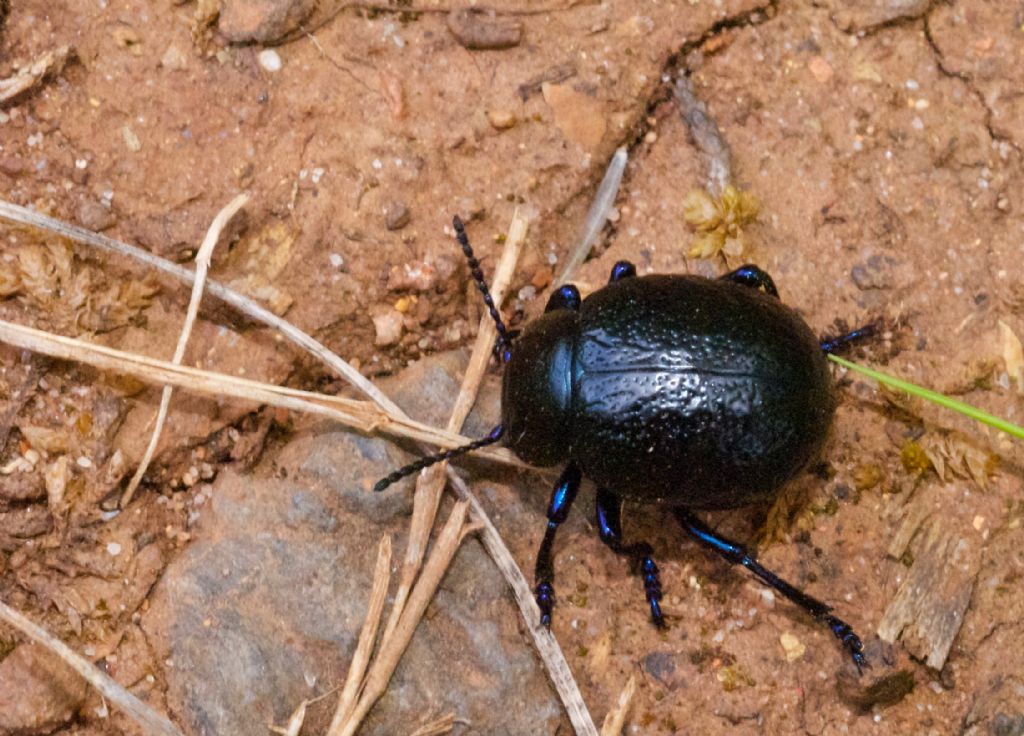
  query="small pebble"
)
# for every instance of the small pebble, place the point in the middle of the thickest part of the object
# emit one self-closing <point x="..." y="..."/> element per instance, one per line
<point x="396" y="216"/>
<point x="336" y="260"/>
<point x="792" y="646"/>
<point x="270" y="60"/>
<point x="113" y="549"/>
<point x="83" y="462"/>
<point x="501" y="119"/>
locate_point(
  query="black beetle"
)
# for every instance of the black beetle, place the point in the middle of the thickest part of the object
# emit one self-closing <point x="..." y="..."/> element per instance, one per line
<point x="688" y="392"/>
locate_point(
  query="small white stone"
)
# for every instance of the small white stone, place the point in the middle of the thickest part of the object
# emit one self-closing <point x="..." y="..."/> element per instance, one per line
<point x="270" y="60"/>
<point x="83" y="462"/>
<point x="336" y="260"/>
<point x="113" y="549"/>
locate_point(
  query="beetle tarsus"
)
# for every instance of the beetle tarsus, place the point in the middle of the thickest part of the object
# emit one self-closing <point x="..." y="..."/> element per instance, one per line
<point x="562" y="496"/>
<point x="609" y="528"/>
<point x="738" y="555"/>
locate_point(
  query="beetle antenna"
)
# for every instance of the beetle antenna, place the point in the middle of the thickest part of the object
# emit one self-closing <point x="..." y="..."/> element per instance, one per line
<point x="425" y="462"/>
<point x="504" y="338"/>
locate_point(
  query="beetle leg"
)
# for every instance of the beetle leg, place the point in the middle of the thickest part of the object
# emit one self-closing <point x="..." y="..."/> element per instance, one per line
<point x="609" y="527"/>
<point x="566" y="296"/>
<point x="838" y="343"/>
<point x="622" y="270"/>
<point x="754" y="277"/>
<point x="558" y="510"/>
<point x="737" y="555"/>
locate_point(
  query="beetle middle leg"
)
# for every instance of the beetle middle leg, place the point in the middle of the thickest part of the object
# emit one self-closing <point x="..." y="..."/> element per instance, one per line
<point x="609" y="526"/>
<point x="752" y="276"/>
<point x="839" y="343"/>
<point x="622" y="270"/>
<point x="737" y="555"/>
<point x="558" y="510"/>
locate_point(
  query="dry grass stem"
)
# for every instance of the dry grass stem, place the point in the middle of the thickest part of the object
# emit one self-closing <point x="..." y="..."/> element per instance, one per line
<point x="547" y="647"/>
<point x="616" y="718"/>
<point x="597" y="216"/>
<point x="437" y="727"/>
<point x="202" y="267"/>
<point x="367" y="637"/>
<point x="24" y="216"/>
<point x="391" y="651"/>
<point x="44" y="65"/>
<point x="358" y="414"/>
<point x="430" y="483"/>
<point x="148" y="720"/>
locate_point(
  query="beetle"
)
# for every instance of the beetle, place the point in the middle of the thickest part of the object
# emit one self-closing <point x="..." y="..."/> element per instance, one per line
<point x="691" y="393"/>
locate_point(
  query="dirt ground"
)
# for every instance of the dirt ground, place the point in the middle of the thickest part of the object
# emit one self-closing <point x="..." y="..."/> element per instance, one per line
<point x="881" y="139"/>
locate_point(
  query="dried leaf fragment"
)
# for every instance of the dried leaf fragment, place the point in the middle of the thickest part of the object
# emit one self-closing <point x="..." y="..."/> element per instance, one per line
<point x="1013" y="354"/>
<point x="719" y="222"/>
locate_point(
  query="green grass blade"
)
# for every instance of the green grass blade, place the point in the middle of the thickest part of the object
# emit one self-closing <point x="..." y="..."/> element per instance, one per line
<point x="934" y="396"/>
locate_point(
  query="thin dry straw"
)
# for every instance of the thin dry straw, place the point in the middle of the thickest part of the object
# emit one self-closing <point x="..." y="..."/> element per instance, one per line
<point x="367" y="637"/>
<point x="616" y="718"/>
<point x="597" y="215"/>
<point x="202" y="267"/>
<point x="151" y="721"/>
<point x="361" y="415"/>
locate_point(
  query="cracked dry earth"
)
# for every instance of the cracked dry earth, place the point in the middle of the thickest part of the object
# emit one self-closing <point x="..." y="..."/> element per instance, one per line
<point x="883" y="141"/>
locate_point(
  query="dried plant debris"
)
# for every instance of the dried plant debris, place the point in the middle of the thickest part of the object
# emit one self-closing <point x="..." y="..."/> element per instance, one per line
<point x="69" y="295"/>
<point x="1013" y="354"/>
<point x="45" y="65"/>
<point x="719" y="221"/>
<point x="885" y="691"/>
<point x="953" y="455"/>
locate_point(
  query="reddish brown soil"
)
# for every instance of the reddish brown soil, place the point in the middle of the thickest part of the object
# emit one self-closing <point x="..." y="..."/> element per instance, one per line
<point x="883" y="145"/>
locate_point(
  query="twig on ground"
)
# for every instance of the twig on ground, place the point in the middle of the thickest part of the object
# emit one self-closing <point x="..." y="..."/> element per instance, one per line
<point x="149" y="720"/>
<point x="355" y="413"/>
<point x="202" y="267"/>
<point x="437" y="727"/>
<point x="430" y="484"/>
<point x="367" y="637"/>
<point x="391" y="651"/>
<point x="706" y="135"/>
<point x="616" y="718"/>
<point x="597" y="216"/>
<point x="243" y="304"/>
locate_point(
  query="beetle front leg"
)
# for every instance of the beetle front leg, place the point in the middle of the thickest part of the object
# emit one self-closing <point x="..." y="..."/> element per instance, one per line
<point x="737" y="555"/>
<point x="558" y="510"/>
<point x="609" y="527"/>
<point x="752" y="276"/>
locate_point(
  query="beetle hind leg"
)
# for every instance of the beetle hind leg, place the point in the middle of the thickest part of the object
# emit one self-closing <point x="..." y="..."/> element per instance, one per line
<point x="737" y="555"/>
<point x="558" y="510"/>
<point x="609" y="526"/>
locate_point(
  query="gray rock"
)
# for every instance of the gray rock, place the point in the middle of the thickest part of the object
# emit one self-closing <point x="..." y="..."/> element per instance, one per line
<point x="264" y="608"/>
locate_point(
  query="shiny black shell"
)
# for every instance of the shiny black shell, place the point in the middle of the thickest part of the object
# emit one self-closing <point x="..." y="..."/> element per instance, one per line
<point x="694" y="392"/>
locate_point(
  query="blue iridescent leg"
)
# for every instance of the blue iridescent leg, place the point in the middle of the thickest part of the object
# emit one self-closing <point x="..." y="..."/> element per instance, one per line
<point x="839" y="343"/>
<point x="737" y="555"/>
<point x="558" y="509"/>
<point x="752" y="276"/>
<point x="566" y="296"/>
<point x="622" y="270"/>
<point x="609" y="526"/>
